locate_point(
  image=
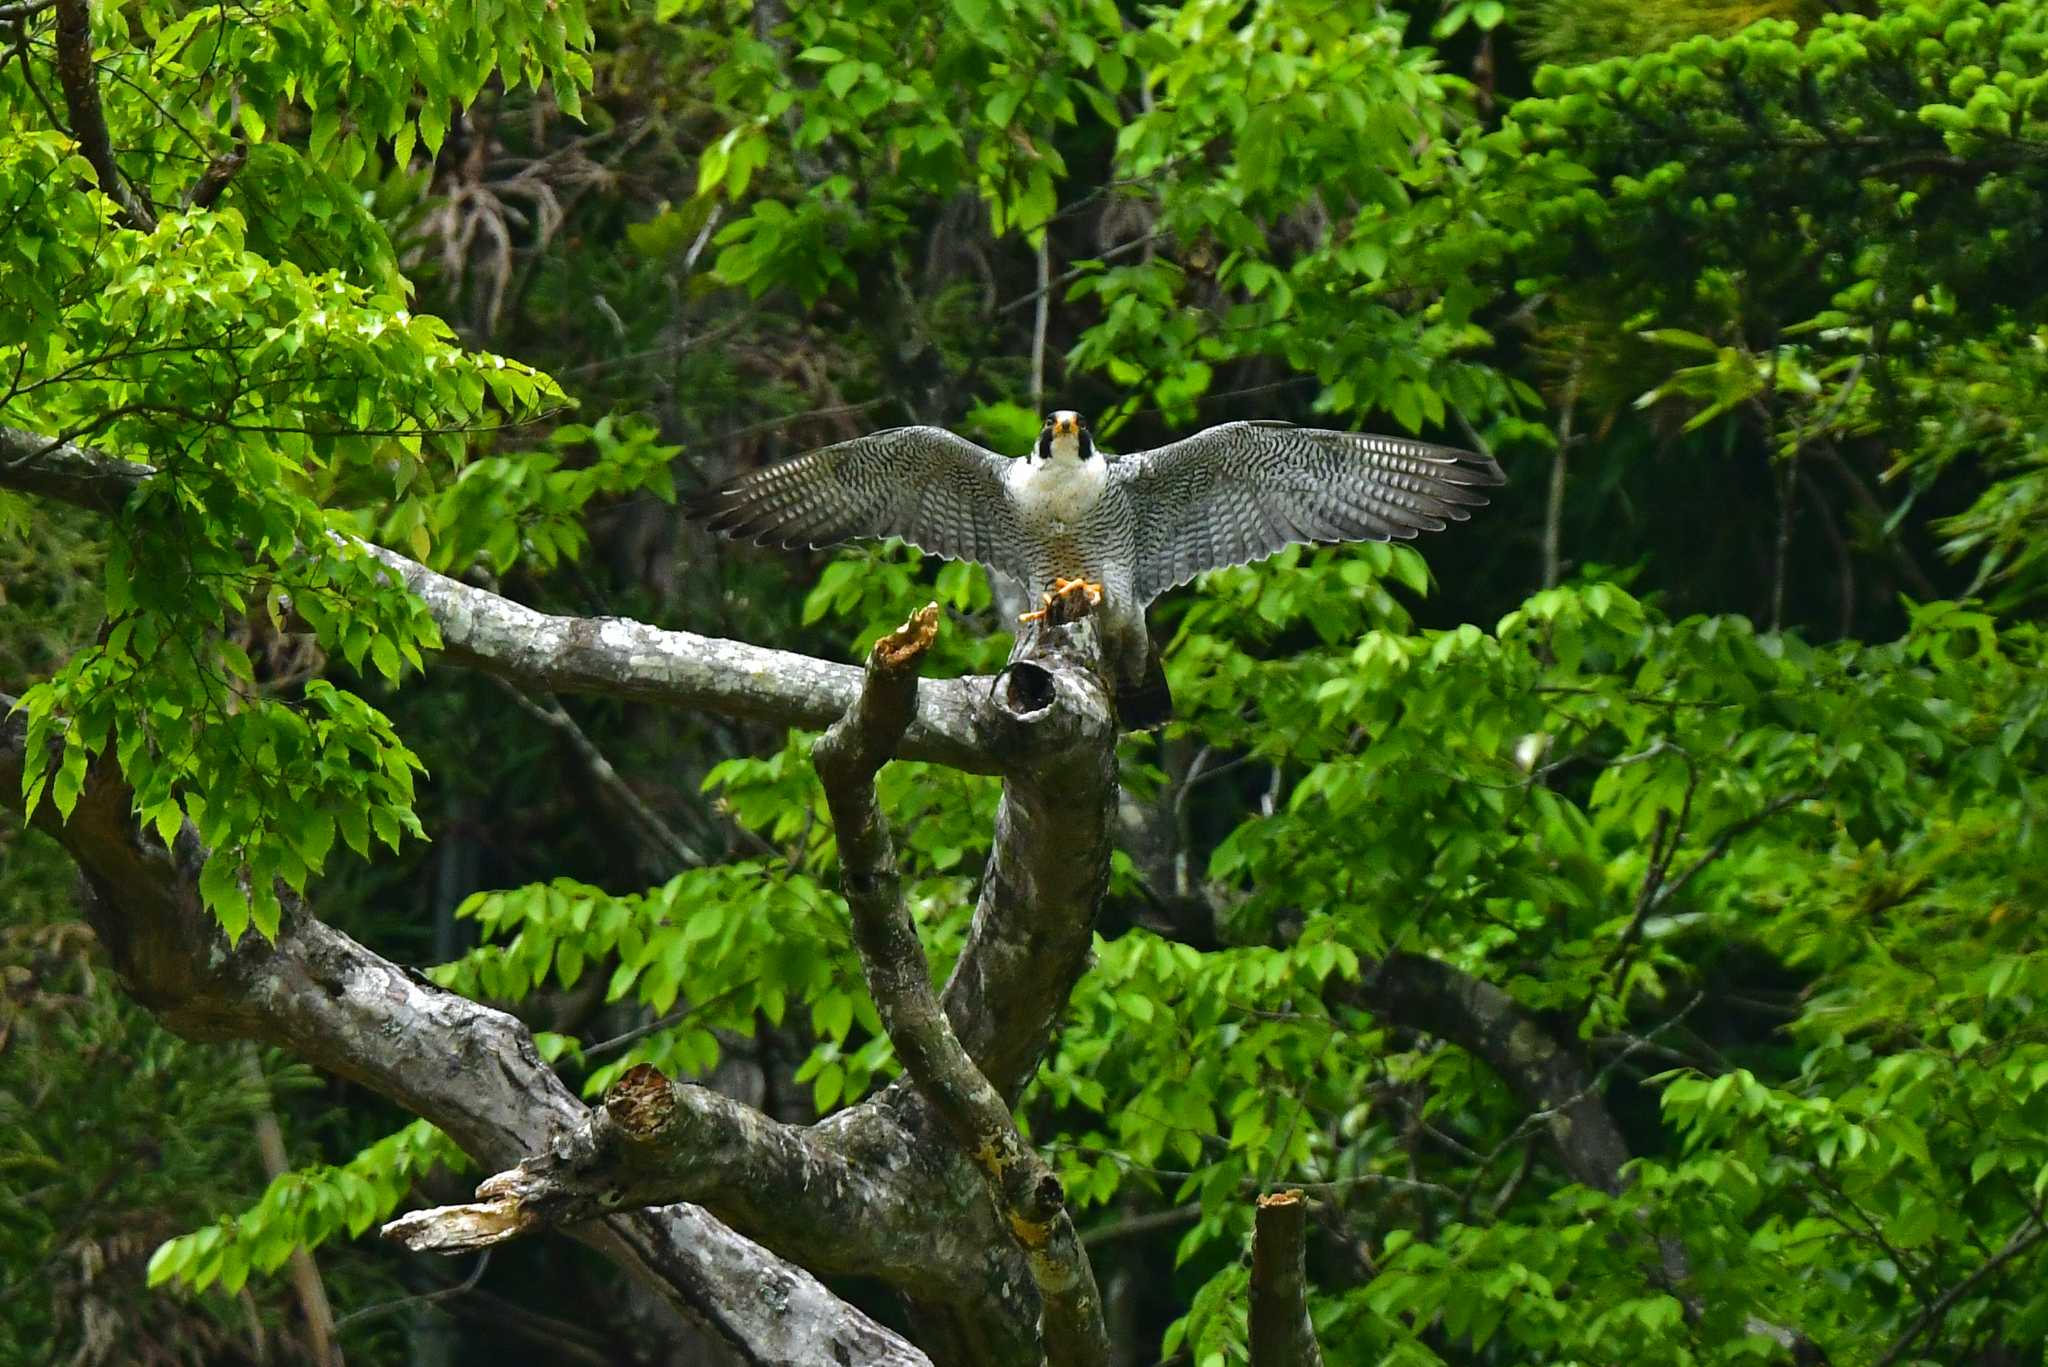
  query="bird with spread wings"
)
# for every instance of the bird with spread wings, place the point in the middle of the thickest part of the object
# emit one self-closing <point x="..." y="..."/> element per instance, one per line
<point x="1079" y="528"/>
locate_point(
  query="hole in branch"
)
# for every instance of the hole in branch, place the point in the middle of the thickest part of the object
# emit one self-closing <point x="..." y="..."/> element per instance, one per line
<point x="1030" y="688"/>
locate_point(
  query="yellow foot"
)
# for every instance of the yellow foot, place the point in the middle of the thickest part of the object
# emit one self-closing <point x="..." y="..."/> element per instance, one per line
<point x="1069" y="601"/>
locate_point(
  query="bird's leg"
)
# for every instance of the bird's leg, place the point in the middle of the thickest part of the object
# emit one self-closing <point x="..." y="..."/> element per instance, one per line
<point x="1069" y="601"/>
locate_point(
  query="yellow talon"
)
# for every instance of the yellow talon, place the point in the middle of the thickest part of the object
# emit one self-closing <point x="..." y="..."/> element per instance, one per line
<point x="1069" y="601"/>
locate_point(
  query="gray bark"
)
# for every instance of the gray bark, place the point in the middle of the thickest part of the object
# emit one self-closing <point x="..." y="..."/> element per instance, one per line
<point x="607" y="655"/>
<point x="1281" y="1334"/>
<point x="471" y="1070"/>
<point x="925" y="1185"/>
<point x="881" y="1189"/>
<point x="1025" y="1190"/>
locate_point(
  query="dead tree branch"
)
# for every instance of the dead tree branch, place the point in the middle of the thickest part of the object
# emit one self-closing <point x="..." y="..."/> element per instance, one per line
<point x="1026" y="1191"/>
<point x="612" y="655"/>
<point x="471" y="1070"/>
<point x="916" y="1210"/>
<point x="654" y="1142"/>
<point x="1053" y="724"/>
<point x="930" y="1228"/>
<point x="1282" y="1335"/>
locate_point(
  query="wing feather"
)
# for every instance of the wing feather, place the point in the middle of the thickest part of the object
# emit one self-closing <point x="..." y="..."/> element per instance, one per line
<point x="940" y="492"/>
<point x="1239" y="492"/>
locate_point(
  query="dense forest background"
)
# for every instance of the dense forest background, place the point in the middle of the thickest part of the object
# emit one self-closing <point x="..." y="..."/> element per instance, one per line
<point x="1621" y="914"/>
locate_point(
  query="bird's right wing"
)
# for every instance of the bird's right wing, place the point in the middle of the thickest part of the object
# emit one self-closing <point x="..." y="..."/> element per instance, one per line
<point x="940" y="492"/>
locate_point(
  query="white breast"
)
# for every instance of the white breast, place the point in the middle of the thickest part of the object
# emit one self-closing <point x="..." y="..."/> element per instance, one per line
<point x="1056" y="495"/>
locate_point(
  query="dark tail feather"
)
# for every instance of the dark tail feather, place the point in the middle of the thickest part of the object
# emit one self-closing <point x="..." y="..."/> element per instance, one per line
<point x="1146" y="702"/>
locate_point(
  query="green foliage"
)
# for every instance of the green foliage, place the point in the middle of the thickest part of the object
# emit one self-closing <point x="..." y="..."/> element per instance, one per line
<point x="740" y="943"/>
<point x="1827" y="232"/>
<point x="1775" y="891"/>
<point x="529" y="507"/>
<point x="1590" y="775"/>
<point x="113" y="1135"/>
<point x="745" y="945"/>
<point x="305" y="1208"/>
<point x="271" y="394"/>
<point x="1570" y="34"/>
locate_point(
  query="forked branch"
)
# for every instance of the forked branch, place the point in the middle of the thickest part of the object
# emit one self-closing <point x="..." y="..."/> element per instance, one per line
<point x="1026" y="1191"/>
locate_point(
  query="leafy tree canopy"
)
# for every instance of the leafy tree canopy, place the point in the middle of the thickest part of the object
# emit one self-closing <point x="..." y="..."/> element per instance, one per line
<point x="1624" y="925"/>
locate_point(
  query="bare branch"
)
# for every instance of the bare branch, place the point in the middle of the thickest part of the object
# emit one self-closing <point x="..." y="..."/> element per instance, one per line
<point x="614" y="655"/>
<point x="215" y="178"/>
<point x="1730" y="833"/>
<point x="655" y="1141"/>
<point x="1053" y="729"/>
<point x="1553" y="508"/>
<point x="940" y="1241"/>
<point x="390" y="1307"/>
<point x="1137" y="1226"/>
<point x="847" y="759"/>
<point x="1281" y="1335"/>
<point x="471" y="1070"/>
<point x="1663" y="840"/>
<point x="463" y="1229"/>
<point x="2025" y="1237"/>
<point x="33" y="464"/>
<point x="306" y="1283"/>
<point x="675" y="852"/>
<point x="624" y="658"/>
<point x="80" y="81"/>
<point x="1430" y="995"/>
<point x="1046" y="723"/>
<point x="1046" y="287"/>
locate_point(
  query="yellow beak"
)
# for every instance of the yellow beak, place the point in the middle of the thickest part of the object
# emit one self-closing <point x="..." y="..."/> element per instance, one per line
<point x="1066" y="427"/>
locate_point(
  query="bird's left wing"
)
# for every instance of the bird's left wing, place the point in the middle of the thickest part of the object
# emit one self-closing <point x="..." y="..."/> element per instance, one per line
<point x="940" y="492"/>
<point x="1239" y="492"/>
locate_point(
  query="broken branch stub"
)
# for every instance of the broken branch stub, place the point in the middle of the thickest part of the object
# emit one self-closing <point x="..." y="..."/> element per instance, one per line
<point x="1281" y="1334"/>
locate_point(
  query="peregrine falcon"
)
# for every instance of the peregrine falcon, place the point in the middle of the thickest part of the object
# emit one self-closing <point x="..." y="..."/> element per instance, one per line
<point x="1076" y="525"/>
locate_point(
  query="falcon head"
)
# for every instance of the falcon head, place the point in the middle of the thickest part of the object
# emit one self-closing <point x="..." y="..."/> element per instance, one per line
<point x="1066" y="436"/>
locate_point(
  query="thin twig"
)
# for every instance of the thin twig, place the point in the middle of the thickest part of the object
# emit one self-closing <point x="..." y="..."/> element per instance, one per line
<point x="1553" y="512"/>
<point x="1150" y="1222"/>
<point x="1039" y="321"/>
<point x="1730" y="834"/>
<point x="673" y="848"/>
<point x="306" y="1283"/>
<point x="423" y="1298"/>
<point x="1536" y="1120"/>
<point x="675" y="1017"/>
<point x="1046" y="287"/>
